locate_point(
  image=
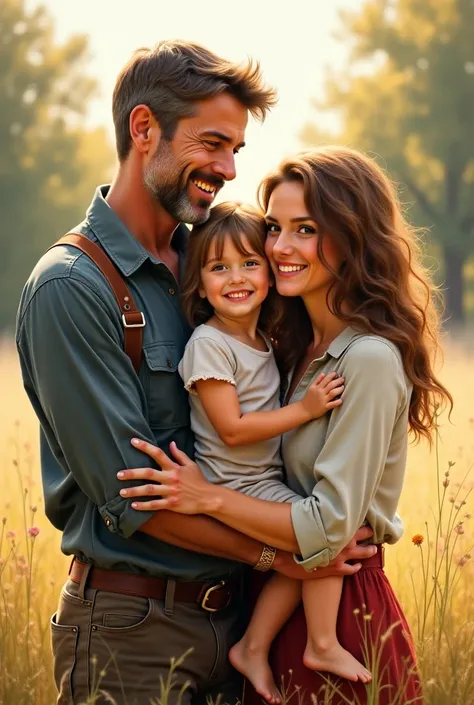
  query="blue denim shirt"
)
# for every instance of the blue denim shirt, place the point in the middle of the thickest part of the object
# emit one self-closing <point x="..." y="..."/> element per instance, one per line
<point x="90" y="402"/>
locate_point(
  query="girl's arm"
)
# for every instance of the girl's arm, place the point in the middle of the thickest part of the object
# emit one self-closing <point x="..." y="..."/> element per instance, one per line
<point x="221" y="404"/>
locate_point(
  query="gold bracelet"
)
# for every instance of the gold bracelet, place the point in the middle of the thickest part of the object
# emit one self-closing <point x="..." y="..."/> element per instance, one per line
<point x="266" y="559"/>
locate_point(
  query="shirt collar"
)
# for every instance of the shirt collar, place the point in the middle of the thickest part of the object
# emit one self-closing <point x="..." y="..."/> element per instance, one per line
<point x="121" y="246"/>
<point x="342" y="342"/>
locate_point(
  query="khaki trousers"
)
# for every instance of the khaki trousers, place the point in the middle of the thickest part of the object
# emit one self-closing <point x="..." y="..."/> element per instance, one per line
<point x="118" y="649"/>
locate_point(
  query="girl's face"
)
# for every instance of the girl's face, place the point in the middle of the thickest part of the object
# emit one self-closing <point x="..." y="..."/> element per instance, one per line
<point x="291" y="245"/>
<point x="236" y="284"/>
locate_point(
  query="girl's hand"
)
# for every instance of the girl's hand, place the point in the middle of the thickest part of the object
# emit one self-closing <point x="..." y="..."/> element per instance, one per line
<point x="182" y="487"/>
<point x="323" y="394"/>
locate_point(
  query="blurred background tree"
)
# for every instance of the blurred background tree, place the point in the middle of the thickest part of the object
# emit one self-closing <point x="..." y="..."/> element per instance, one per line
<point x="50" y="161"/>
<point x="407" y="97"/>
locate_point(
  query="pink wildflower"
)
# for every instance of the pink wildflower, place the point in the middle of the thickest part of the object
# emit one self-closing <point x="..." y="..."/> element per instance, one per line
<point x="33" y="531"/>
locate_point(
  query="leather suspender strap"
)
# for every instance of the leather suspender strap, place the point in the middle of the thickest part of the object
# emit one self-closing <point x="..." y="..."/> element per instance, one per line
<point x="133" y="320"/>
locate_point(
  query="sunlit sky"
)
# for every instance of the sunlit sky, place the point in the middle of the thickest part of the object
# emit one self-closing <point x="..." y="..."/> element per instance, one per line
<point x="292" y="39"/>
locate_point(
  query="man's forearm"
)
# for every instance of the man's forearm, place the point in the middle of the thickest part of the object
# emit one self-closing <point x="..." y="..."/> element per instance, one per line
<point x="203" y="535"/>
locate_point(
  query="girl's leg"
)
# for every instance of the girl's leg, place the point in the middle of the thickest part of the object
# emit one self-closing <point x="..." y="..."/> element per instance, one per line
<point x="323" y="651"/>
<point x="276" y="603"/>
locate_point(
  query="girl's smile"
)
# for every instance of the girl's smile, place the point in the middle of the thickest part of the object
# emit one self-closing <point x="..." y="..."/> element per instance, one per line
<point x="236" y="283"/>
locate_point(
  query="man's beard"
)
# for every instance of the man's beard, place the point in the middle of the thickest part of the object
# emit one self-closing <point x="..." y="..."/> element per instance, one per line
<point x="164" y="180"/>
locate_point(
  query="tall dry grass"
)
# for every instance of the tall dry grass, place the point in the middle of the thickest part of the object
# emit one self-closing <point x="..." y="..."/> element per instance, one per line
<point x="433" y="577"/>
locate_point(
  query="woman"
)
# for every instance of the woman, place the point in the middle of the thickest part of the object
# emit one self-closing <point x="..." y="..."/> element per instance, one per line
<point x="359" y="304"/>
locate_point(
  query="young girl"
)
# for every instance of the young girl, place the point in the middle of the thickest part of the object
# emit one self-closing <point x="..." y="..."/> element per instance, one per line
<point x="231" y="373"/>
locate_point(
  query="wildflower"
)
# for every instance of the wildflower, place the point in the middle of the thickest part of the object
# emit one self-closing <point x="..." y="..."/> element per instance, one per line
<point x="463" y="560"/>
<point x="11" y="534"/>
<point x="445" y="482"/>
<point x="459" y="529"/>
<point x="451" y="499"/>
<point x="467" y="516"/>
<point x="4" y="520"/>
<point x="33" y="531"/>
<point x="356" y="611"/>
<point x="451" y="463"/>
<point x="367" y="617"/>
<point x="418" y="539"/>
<point x="34" y="508"/>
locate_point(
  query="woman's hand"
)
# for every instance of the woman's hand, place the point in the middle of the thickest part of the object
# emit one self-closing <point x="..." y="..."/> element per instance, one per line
<point x="182" y="487"/>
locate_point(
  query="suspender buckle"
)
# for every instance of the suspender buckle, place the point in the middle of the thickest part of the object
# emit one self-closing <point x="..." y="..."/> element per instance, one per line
<point x="141" y="324"/>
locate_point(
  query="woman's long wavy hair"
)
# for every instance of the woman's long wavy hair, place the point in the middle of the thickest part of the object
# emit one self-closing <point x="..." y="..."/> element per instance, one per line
<point x="232" y="221"/>
<point x="381" y="287"/>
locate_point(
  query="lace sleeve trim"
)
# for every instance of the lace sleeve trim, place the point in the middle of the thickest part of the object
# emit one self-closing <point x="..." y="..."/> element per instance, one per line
<point x="189" y="386"/>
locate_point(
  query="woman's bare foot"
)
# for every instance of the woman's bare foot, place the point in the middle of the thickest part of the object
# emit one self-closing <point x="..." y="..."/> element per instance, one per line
<point x="335" y="659"/>
<point x="253" y="664"/>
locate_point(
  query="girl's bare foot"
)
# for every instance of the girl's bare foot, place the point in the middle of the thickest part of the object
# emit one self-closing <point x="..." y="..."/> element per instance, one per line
<point x="335" y="659"/>
<point x="253" y="664"/>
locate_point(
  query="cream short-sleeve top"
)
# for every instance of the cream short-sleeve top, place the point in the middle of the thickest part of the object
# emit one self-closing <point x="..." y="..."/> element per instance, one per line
<point x="254" y="469"/>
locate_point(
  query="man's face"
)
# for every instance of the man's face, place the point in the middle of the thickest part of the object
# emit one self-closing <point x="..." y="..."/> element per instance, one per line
<point x="186" y="173"/>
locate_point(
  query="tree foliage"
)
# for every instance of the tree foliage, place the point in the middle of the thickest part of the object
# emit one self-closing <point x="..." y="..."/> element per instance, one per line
<point x="49" y="160"/>
<point x="407" y="97"/>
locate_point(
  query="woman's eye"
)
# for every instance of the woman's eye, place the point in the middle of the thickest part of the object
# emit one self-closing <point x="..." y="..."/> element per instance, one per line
<point x="307" y="230"/>
<point x="272" y="228"/>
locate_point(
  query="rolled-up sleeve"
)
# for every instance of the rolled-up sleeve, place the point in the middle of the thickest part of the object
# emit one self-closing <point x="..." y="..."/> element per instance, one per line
<point x="87" y="396"/>
<point x="349" y="466"/>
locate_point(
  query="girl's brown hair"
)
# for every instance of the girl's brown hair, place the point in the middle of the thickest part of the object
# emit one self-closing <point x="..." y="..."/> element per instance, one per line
<point x="234" y="221"/>
<point x="381" y="287"/>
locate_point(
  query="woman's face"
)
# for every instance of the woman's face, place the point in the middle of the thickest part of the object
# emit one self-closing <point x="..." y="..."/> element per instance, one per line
<point x="291" y="245"/>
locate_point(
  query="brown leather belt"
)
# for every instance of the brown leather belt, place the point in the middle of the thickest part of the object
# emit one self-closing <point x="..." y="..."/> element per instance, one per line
<point x="212" y="597"/>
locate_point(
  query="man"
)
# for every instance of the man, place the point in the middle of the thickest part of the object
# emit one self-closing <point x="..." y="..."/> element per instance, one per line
<point x="144" y="588"/>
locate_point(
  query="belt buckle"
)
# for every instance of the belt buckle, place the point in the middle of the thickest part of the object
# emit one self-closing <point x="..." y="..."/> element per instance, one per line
<point x="208" y="593"/>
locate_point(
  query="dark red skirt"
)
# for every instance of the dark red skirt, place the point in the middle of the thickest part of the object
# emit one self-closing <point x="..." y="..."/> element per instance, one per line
<point x="372" y="626"/>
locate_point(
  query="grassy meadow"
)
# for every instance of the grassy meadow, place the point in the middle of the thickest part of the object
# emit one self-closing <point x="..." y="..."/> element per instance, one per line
<point x="433" y="580"/>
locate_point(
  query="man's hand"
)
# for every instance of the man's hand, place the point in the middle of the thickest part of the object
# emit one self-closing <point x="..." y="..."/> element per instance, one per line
<point x="284" y="562"/>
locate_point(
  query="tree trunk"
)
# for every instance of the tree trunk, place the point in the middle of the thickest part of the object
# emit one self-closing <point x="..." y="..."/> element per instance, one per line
<point x="454" y="286"/>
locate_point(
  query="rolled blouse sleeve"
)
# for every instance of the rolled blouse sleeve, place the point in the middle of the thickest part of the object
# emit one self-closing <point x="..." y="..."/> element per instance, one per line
<point x="350" y="465"/>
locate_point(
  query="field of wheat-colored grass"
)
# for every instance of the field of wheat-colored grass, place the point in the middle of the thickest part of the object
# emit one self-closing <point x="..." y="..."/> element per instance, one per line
<point x="433" y="580"/>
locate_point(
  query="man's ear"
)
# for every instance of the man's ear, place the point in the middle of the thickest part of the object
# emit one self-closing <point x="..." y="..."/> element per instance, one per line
<point x="144" y="129"/>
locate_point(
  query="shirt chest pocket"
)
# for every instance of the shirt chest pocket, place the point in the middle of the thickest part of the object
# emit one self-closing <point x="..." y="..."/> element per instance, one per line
<point x="168" y="405"/>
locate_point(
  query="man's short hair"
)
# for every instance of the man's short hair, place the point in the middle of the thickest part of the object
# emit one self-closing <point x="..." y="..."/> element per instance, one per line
<point x="173" y="76"/>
